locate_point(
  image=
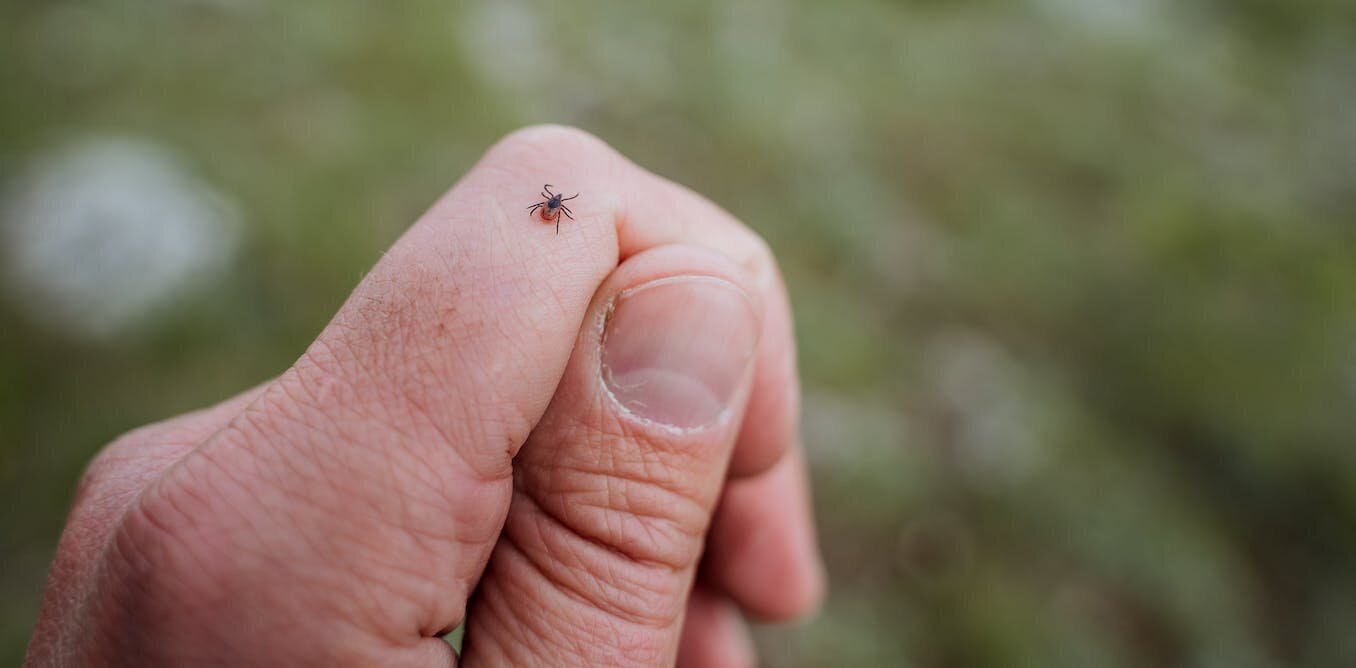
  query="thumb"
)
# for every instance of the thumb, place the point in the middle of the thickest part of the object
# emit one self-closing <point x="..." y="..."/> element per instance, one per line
<point x="614" y="489"/>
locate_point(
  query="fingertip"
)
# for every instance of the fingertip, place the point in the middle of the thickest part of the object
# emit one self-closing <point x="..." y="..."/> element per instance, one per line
<point x="762" y="550"/>
<point x="714" y="633"/>
<point x="772" y="417"/>
<point x="771" y="422"/>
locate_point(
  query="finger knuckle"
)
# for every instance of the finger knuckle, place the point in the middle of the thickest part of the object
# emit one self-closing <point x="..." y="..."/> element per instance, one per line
<point x="111" y="463"/>
<point x="560" y="141"/>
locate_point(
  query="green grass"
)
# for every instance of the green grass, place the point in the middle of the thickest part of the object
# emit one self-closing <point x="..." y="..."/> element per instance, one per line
<point x="1075" y="282"/>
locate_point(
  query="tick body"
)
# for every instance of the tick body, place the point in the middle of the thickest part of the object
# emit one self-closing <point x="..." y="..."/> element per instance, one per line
<point x="553" y="206"/>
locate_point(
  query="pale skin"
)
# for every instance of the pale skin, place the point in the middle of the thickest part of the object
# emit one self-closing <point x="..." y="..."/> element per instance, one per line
<point x="453" y="446"/>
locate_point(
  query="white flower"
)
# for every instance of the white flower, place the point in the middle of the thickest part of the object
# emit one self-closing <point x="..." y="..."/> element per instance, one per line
<point x="103" y="232"/>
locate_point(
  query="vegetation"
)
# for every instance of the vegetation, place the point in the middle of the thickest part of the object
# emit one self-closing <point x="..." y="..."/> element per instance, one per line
<point x="1075" y="280"/>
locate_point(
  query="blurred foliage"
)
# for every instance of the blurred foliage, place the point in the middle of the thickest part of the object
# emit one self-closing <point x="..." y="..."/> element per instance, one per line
<point x="1075" y="280"/>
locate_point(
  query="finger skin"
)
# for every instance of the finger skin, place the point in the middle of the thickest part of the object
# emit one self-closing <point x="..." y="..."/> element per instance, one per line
<point x="762" y="550"/>
<point x="344" y="515"/>
<point x="672" y="214"/>
<point x="771" y="426"/>
<point x="714" y="633"/>
<point x="609" y="511"/>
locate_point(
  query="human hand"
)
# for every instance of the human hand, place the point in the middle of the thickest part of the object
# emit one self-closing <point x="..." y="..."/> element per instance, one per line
<point x="562" y="425"/>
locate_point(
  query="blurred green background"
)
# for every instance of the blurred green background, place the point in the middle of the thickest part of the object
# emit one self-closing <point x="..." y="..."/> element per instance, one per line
<point x="1075" y="281"/>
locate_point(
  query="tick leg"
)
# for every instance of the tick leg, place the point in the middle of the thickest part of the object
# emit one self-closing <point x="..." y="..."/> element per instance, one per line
<point x="570" y="197"/>
<point x="547" y="188"/>
<point x="533" y="209"/>
<point x="565" y="211"/>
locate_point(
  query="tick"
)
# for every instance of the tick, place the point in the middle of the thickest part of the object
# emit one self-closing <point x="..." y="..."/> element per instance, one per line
<point x="553" y="206"/>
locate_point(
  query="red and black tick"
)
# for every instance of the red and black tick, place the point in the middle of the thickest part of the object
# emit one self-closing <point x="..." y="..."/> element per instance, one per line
<point x="553" y="206"/>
